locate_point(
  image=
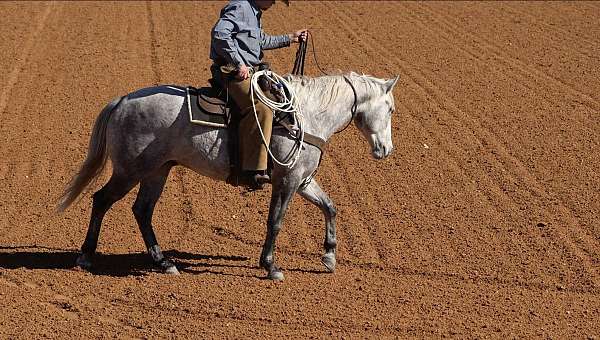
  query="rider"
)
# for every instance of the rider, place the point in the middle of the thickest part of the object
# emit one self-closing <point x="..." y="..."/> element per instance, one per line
<point x="236" y="49"/>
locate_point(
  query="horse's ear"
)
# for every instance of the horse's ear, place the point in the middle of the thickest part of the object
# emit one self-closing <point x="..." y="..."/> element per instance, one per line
<point x="389" y="84"/>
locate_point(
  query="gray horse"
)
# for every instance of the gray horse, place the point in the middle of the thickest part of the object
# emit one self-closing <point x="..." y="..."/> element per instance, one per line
<point x="147" y="132"/>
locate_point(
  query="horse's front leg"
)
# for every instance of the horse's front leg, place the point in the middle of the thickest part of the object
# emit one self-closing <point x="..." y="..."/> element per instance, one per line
<point x="314" y="194"/>
<point x="280" y="199"/>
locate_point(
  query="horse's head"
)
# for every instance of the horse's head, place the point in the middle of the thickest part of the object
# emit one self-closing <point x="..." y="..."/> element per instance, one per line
<point x="374" y="116"/>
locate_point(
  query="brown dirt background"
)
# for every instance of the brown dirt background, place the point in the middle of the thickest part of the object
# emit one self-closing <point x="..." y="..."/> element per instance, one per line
<point x="483" y="223"/>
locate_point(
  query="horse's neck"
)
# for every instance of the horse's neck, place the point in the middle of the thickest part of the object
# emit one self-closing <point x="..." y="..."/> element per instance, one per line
<point x="332" y="119"/>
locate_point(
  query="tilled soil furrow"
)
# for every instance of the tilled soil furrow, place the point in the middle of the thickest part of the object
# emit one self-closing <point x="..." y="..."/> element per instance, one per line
<point x="356" y="222"/>
<point x="23" y="58"/>
<point x="154" y="61"/>
<point x="187" y="208"/>
<point x="583" y="32"/>
<point x="481" y="55"/>
<point x="585" y="241"/>
<point x="578" y="242"/>
<point x="481" y="223"/>
<point x="554" y="101"/>
<point x="350" y="242"/>
<point x="495" y="281"/>
<point x="526" y="71"/>
<point x="482" y="186"/>
<point x="584" y="46"/>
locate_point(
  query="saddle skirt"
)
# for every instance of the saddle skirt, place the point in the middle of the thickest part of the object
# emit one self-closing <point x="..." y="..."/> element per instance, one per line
<point x="206" y="107"/>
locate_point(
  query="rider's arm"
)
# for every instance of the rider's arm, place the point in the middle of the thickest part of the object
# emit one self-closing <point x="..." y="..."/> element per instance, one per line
<point x="269" y="42"/>
<point x="222" y="34"/>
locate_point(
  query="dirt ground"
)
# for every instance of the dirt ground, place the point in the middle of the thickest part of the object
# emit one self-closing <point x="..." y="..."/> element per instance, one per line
<point x="483" y="223"/>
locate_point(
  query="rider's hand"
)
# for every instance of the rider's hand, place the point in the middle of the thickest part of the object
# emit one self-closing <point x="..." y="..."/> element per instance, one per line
<point x="243" y="72"/>
<point x="299" y="36"/>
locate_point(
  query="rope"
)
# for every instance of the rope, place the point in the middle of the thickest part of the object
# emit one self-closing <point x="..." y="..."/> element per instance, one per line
<point x="290" y="102"/>
<point x="299" y="71"/>
<point x="289" y="105"/>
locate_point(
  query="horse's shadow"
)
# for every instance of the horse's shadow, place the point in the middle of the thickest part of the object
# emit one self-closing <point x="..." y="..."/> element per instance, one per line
<point x="134" y="264"/>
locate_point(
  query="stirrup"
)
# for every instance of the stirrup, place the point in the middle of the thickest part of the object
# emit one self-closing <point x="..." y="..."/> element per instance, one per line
<point x="250" y="180"/>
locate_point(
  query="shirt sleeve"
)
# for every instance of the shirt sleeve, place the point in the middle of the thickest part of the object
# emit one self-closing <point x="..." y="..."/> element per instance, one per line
<point x="222" y="35"/>
<point x="269" y="42"/>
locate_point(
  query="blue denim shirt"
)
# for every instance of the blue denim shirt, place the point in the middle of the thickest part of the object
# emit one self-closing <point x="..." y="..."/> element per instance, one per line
<point x="238" y="38"/>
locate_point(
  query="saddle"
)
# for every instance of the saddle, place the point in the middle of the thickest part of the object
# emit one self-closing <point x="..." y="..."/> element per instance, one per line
<point x="209" y="106"/>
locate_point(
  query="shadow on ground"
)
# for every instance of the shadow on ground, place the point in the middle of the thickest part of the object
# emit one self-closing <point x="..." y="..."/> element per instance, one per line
<point x="133" y="264"/>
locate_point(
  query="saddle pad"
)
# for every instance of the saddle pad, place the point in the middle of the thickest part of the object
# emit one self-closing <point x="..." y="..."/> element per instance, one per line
<point x="199" y="116"/>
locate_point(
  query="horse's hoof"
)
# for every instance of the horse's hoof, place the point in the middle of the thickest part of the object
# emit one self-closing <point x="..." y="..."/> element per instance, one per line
<point x="275" y="275"/>
<point x="172" y="270"/>
<point x="168" y="267"/>
<point x="84" y="262"/>
<point x="328" y="261"/>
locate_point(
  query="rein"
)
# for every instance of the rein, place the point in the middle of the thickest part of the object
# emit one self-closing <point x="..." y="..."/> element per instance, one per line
<point x="354" y="105"/>
<point x="298" y="70"/>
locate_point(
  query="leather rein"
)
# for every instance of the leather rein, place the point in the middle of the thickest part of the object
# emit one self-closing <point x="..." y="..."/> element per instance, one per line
<point x="298" y="70"/>
<point x="311" y="139"/>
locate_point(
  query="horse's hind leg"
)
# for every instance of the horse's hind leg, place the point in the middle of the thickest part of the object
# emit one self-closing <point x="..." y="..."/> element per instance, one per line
<point x="103" y="199"/>
<point x="314" y="194"/>
<point x="150" y="190"/>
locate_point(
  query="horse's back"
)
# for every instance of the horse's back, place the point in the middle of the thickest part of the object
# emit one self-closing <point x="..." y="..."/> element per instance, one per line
<point x="151" y="126"/>
<point x="171" y="90"/>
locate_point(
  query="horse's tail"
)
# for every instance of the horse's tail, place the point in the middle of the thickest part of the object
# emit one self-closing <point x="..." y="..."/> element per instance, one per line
<point x="94" y="162"/>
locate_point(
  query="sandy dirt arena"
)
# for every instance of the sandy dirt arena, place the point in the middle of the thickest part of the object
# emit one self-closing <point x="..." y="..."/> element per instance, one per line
<point x="483" y="223"/>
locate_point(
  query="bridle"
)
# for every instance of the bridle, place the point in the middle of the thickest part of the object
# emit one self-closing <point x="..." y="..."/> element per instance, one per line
<point x="354" y="105"/>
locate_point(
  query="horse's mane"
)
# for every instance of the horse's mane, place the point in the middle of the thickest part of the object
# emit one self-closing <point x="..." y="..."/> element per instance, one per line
<point x="323" y="91"/>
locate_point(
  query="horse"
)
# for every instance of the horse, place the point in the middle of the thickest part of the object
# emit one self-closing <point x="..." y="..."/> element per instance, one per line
<point x="147" y="132"/>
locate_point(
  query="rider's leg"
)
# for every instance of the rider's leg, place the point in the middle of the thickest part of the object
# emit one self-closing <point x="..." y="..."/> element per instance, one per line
<point x="253" y="151"/>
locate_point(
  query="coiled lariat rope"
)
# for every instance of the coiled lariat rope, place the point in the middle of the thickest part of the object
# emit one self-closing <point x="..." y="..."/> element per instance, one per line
<point x="288" y="105"/>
